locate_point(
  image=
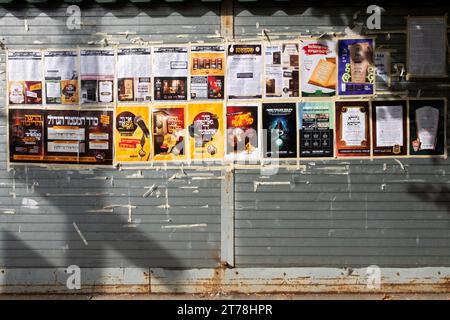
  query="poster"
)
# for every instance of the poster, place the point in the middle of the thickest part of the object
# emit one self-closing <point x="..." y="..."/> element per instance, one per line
<point x="319" y="68"/>
<point x="207" y="72"/>
<point x="281" y="73"/>
<point x="61" y="77"/>
<point x="97" y="76"/>
<point x="427" y="46"/>
<point x="242" y="142"/>
<point x="170" y="68"/>
<point x="279" y="130"/>
<point x="244" y="71"/>
<point x="26" y="135"/>
<point x="132" y="134"/>
<point x="427" y="119"/>
<point x="389" y="128"/>
<point x="356" y="73"/>
<point x="316" y="129"/>
<point x="169" y="132"/>
<point x="352" y="129"/>
<point x="25" y="77"/>
<point x="206" y="131"/>
<point x="382" y="69"/>
<point x="134" y="74"/>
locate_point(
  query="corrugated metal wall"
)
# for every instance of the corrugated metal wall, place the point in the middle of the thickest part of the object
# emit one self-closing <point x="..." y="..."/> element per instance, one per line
<point x="345" y="213"/>
<point x="39" y="207"/>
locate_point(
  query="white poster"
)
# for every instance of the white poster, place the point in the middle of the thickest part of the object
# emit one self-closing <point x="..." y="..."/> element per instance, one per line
<point x="61" y="77"/>
<point x="170" y="61"/>
<point x="353" y="127"/>
<point x="134" y="74"/>
<point x="389" y="124"/>
<point x="427" y="119"/>
<point x="244" y="71"/>
<point x="382" y="69"/>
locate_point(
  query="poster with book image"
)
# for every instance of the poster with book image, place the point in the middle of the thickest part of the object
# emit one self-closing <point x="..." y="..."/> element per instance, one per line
<point x="244" y="71"/>
<point x="206" y="131"/>
<point x="169" y="132"/>
<point x="134" y="74"/>
<point x="242" y="142"/>
<point x="279" y="130"/>
<point x="316" y="129"/>
<point x="97" y="76"/>
<point x="170" y="69"/>
<point x="132" y="134"/>
<point x="24" y="77"/>
<point x="389" y="127"/>
<point x="356" y="67"/>
<point x="207" y="72"/>
<point x="319" y="68"/>
<point x="61" y="77"/>
<point x="427" y="127"/>
<point x="281" y="73"/>
<point x="352" y="129"/>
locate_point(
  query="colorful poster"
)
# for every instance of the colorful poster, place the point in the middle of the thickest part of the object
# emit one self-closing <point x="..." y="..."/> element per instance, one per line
<point x="352" y="129"/>
<point x="24" y="77"/>
<point x="132" y="134"/>
<point x="356" y="74"/>
<point x="61" y="77"/>
<point x="319" y="68"/>
<point x="281" y="74"/>
<point x="207" y="72"/>
<point x="279" y="130"/>
<point x="169" y="132"/>
<point x="26" y="135"/>
<point x="134" y="74"/>
<point x="242" y="132"/>
<point x="97" y="76"/>
<point x="427" y="126"/>
<point x="206" y="131"/>
<point x="170" y="68"/>
<point x="244" y="71"/>
<point x="316" y="129"/>
<point x="389" y="127"/>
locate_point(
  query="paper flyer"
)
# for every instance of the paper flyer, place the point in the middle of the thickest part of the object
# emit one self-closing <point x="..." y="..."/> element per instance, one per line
<point x="132" y="134"/>
<point x="61" y="77"/>
<point x="206" y="131"/>
<point x="382" y="69"/>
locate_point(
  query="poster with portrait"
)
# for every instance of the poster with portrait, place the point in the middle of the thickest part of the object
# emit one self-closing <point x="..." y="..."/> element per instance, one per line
<point x="97" y="76"/>
<point x="207" y="72"/>
<point x="242" y="141"/>
<point x="169" y="132"/>
<point x="61" y="77"/>
<point x="356" y="67"/>
<point x="389" y="128"/>
<point x="206" y="131"/>
<point x="319" y="68"/>
<point x="26" y="135"/>
<point x="281" y="73"/>
<point x="244" y="71"/>
<point x="427" y="127"/>
<point x="134" y="74"/>
<point x="24" y="77"/>
<point x="316" y="129"/>
<point x="279" y="130"/>
<point x="132" y="134"/>
<point x="170" y="69"/>
<point x="352" y="129"/>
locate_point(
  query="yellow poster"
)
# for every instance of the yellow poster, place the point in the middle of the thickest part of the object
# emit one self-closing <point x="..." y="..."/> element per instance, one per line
<point x="207" y="60"/>
<point x="206" y="131"/>
<point x="132" y="134"/>
<point x="169" y="132"/>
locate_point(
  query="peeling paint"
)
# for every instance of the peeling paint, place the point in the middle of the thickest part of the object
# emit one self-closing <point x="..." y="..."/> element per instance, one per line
<point x="79" y="233"/>
<point x="29" y="203"/>
<point x="256" y="184"/>
<point x="185" y="226"/>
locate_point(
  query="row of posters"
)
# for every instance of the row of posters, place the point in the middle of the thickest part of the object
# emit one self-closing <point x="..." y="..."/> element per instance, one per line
<point x="309" y="68"/>
<point x="241" y="132"/>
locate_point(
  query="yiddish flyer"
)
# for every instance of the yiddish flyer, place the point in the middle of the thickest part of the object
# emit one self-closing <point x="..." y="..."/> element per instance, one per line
<point x="61" y="77"/>
<point x="24" y="77"/>
<point x="134" y="74"/>
<point x="207" y="72"/>
<point x="319" y="68"/>
<point x="316" y="128"/>
<point x="244" y="71"/>
<point x="169" y="132"/>
<point x="206" y="131"/>
<point x="132" y="134"/>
